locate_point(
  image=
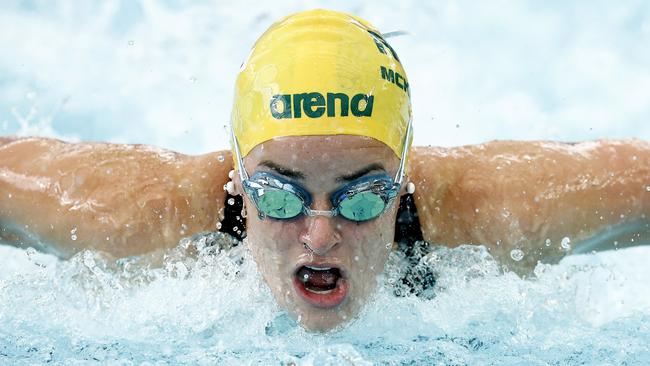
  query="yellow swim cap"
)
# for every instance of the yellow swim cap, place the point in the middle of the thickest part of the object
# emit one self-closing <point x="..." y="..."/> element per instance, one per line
<point x="321" y="72"/>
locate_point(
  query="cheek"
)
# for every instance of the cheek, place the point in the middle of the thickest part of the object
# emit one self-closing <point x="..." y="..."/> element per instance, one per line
<point x="270" y="241"/>
<point x="371" y="243"/>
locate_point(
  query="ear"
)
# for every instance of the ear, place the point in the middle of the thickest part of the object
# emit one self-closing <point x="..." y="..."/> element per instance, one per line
<point x="234" y="186"/>
<point x="408" y="187"/>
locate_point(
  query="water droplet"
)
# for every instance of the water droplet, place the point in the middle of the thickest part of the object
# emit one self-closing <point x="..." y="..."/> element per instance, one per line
<point x="231" y="201"/>
<point x="517" y="254"/>
<point x="73" y="237"/>
<point x="73" y="231"/>
<point x="221" y="158"/>
<point x="566" y="243"/>
<point x="131" y="43"/>
<point x="547" y="242"/>
<point x="30" y="252"/>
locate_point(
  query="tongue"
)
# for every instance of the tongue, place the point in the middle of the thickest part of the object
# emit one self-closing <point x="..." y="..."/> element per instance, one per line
<point x="319" y="280"/>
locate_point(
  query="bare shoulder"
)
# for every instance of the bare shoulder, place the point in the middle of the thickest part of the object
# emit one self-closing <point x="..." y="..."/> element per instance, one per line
<point x="123" y="199"/>
<point x="510" y="194"/>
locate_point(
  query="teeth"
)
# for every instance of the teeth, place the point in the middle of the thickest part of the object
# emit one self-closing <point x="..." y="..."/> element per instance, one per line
<point x="319" y="268"/>
<point x="325" y="292"/>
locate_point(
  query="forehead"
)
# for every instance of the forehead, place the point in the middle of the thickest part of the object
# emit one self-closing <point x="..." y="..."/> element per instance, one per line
<point x="322" y="155"/>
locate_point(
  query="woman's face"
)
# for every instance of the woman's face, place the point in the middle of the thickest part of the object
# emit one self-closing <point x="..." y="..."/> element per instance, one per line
<point x="321" y="269"/>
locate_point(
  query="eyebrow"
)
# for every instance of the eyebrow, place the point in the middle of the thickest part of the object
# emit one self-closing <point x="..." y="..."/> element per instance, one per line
<point x="291" y="173"/>
<point x="360" y="173"/>
<point x="287" y="172"/>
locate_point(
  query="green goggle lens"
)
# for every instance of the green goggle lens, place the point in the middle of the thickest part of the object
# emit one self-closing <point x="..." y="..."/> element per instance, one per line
<point x="279" y="204"/>
<point x="362" y="206"/>
<point x="362" y="200"/>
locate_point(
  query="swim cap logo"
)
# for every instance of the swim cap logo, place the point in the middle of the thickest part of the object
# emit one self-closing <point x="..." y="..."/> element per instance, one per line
<point x="314" y="105"/>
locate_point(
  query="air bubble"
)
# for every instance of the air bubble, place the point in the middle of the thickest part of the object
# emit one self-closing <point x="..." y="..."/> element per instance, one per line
<point x="566" y="243"/>
<point x="647" y="188"/>
<point x="221" y="158"/>
<point x="131" y="43"/>
<point x="517" y="254"/>
<point x="547" y="242"/>
<point x="73" y="237"/>
<point x="218" y="226"/>
<point x="231" y="201"/>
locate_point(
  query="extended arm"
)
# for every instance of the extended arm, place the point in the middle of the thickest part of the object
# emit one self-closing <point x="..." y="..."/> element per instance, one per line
<point x="533" y="195"/>
<point x="122" y="199"/>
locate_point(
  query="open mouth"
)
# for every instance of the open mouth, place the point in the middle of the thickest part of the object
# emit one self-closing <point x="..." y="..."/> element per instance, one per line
<point x="321" y="286"/>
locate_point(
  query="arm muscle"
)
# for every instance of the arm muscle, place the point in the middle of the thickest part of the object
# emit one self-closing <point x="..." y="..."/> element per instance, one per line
<point x="123" y="199"/>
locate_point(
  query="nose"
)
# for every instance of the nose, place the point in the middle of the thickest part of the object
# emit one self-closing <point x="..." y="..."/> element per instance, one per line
<point x="321" y="234"/>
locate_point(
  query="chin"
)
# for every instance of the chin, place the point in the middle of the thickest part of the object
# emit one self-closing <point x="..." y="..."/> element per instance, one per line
<point x="322" y="321"/>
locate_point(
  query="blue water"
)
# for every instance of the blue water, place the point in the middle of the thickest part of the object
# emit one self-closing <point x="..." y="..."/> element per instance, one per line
<point x="162" y="73"/>
<point x="210" y="309"/>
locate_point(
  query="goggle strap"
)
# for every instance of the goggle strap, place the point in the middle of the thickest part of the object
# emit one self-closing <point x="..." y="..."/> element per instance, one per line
<point x="399" y="176"/>
<point x="243" y="175"/>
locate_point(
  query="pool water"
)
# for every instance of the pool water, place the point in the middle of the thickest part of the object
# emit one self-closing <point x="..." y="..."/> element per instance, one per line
<point x="213" y="308"/>
<point x="162" y="73"/>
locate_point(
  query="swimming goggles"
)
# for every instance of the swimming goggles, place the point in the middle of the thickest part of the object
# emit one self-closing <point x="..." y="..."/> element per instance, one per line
<point x="361" y="200"/>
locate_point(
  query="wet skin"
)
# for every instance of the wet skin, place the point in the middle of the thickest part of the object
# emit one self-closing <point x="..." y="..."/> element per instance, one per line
<point x="358" y="250"/>
<point x="132" y="200"/>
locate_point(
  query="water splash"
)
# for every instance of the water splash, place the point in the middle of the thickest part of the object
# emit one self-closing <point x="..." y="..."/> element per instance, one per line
<point x="197" y="303"/>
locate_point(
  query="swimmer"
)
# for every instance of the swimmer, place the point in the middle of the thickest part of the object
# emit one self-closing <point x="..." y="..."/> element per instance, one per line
<point x="322" y="158"/>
